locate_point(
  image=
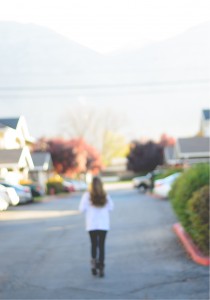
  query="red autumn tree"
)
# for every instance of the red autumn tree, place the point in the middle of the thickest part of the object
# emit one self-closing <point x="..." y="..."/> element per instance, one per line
<point x="71" y="157"/>
<point x="166" y="140"/>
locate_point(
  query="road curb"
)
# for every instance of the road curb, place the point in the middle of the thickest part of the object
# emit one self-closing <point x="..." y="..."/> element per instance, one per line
<point x="156" y="196"/>
<point x="190" y="247"/>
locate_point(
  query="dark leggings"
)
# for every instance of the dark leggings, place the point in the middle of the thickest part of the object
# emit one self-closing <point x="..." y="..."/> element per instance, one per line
<point x="97" y="238"/>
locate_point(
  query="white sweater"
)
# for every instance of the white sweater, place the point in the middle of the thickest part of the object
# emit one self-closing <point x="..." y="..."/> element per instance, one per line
<point x="97" y="218"/>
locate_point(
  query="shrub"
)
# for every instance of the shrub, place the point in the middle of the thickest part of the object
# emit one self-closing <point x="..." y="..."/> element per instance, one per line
<point x="54" y="185"/>
<point x="198" y="211"/>
<point x="182" y="190"/>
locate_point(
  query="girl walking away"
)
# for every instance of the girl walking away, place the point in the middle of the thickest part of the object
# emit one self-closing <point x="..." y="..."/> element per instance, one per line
<point x="97" y="204"/>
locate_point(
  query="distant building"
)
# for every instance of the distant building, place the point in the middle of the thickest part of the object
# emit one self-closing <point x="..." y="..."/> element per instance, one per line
<point x="169" y="156"/>
<point x="118" y="164"/>
<point x="43" y="167"/>
<point x="116" y="170"/>
<point x="205" y="123"/>
<point x="192" y="150"/>
<point x="188" y="151"/>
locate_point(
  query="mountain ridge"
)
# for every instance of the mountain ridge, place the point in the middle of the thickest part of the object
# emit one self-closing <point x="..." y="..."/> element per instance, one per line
<point x="34" y="55"/>
<point x="34" y="74"/>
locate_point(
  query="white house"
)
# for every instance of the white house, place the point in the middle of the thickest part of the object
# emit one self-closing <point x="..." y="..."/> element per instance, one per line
<point x="15" y="157"/>
<point x="14" y="133"/>
<point x="15" y="164"/>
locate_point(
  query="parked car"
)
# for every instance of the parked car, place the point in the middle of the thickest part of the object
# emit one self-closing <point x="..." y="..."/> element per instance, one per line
<point x="68" y="186"/>
<point x="75" y="185"/>
<point x="163" y="186"/>
<point x="10" y="194"/>
<point x="3" y="200"/>
<point x="79" y="185"/>
<point x="143" y="183"/>
<point x="36" y="189"/>
<point x="23" y="192"/>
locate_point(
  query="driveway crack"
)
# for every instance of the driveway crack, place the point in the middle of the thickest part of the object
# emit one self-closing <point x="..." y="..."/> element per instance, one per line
<point x="165" y="283"/>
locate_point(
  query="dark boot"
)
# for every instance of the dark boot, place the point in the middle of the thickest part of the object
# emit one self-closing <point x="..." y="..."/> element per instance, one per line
<point x="93" y="266"/>
<point x="101" y="269"/>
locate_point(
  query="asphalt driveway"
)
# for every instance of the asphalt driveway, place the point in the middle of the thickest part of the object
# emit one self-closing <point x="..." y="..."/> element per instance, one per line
<point x="45" y="252"/>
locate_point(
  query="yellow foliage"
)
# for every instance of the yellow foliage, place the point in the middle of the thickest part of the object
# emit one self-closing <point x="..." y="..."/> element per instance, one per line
<point x="55" y="178"/>
<point x="114" y="146"/>
<point x="25" y="181"/>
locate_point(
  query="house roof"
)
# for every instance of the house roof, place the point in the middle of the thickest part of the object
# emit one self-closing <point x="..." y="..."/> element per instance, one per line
<point x="13" y="123"/>
<point x="206" y="113"/>
<point x="10" y="156"/>
<point x="194" y="147"/>
<point x="16" y="157"/>
<point x="9" y="122"/>
<point x="42" y="160"/>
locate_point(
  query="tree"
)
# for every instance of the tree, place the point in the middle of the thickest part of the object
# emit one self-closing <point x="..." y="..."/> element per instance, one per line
<point x="71" y="157"/>
<point x="166" y="140"/>
<point x="94" y="161"/>
<point x="144" y="157"/>
<point x="87" y="157"/>
<point x="114" y="145"/>
<point x="99" y="127"/>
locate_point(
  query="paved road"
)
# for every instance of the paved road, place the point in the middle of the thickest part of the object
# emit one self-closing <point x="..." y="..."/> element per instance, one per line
<point x="44" y="253"/>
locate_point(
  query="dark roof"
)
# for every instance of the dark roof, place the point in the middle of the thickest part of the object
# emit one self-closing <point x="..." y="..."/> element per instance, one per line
<point x="206" y="113"/>
<point x="194" y="145"/>
<point x="10" y="122"/>
<point x="10" y="156"/>
<point x="40" y="158"/>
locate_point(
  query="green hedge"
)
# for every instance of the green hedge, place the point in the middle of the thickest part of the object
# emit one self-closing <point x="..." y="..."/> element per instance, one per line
<point x="54" y="187"/>
<point x="198" y="211"/>
<point x="182" y="191"/>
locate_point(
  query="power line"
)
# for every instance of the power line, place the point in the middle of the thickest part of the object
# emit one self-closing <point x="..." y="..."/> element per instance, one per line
<point x="106" y="86"/>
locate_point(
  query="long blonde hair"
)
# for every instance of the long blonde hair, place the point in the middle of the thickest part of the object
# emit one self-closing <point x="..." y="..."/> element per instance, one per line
<point x="97" y="193"/>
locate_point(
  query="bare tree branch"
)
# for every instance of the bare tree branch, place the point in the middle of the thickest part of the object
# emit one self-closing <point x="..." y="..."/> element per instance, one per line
<point x="92" y="124"/>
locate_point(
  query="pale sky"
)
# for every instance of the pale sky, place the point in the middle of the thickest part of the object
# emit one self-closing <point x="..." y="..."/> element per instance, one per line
<point x="106" y="25"/>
